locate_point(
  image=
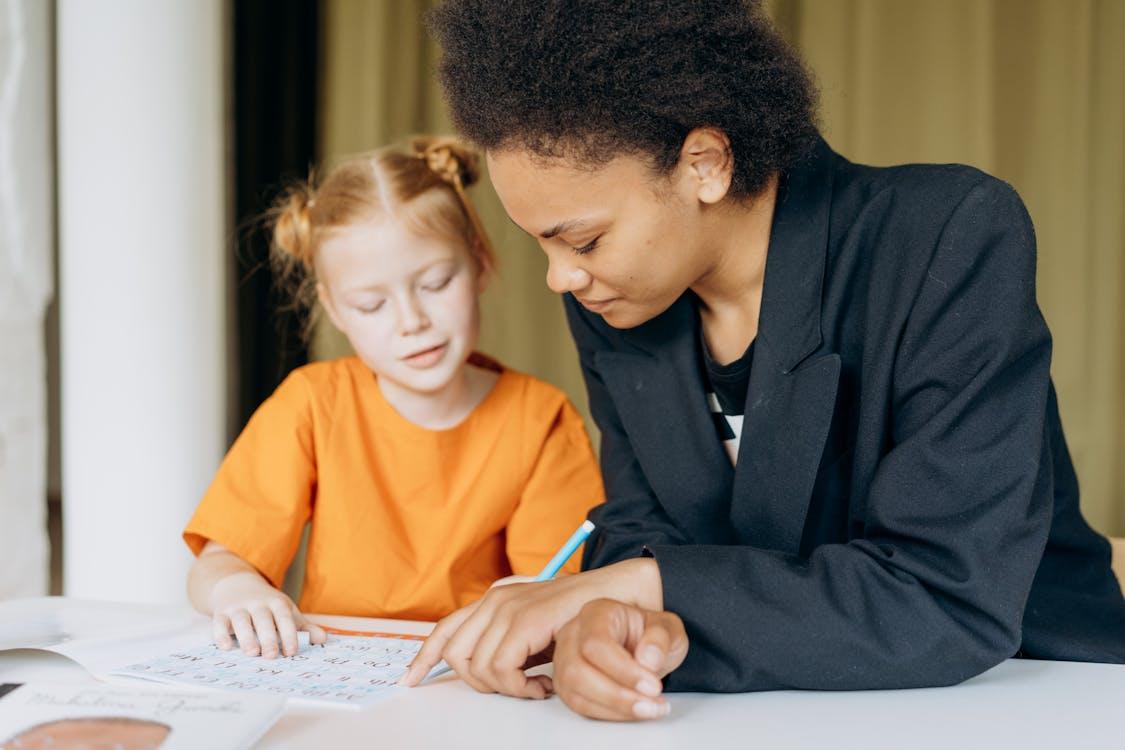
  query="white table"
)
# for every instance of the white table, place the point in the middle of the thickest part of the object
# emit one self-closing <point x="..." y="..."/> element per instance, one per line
<point x="1019" y="704"/>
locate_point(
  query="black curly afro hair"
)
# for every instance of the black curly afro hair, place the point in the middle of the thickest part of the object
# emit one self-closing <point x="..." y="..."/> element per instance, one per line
<point x="591" y="79"/>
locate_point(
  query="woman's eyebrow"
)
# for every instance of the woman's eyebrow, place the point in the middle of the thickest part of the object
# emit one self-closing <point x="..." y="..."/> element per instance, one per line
<point x="563" y="226"/>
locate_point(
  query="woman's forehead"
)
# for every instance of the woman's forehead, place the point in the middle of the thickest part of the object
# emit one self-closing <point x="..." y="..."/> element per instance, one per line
<point x="552" y="196"/>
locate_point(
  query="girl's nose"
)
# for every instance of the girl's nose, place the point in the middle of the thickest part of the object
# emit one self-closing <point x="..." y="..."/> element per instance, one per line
<point x="565" y="277"/>
<point x="412" y="316"/>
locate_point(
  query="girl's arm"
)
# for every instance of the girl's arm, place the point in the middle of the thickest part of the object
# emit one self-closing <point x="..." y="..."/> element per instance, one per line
<point x="264" y="620"/>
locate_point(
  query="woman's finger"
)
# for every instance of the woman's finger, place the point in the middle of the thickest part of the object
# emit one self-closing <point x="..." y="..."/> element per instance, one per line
<point x="589" y="709"/>
<point x="431" y="652"/>
<point x="602" y="698"/>
<point x="545" y="682"/>
<point x="461" y="649"/>
<point x="609" y="657"/>
<point x="499" y="659"/>
<point x="524" y="640"/>
<point x="479" y="660"/>
<point x="663" y="645"/>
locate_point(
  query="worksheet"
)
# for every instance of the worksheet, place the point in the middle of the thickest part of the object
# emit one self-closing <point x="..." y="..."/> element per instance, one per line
<point x="348" y="670"/>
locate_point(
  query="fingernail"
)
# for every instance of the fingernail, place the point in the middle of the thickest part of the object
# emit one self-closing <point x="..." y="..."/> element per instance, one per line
<point x="649" y="686"/>
<point x="650" y="658"/>
<point x="650" y="709"/>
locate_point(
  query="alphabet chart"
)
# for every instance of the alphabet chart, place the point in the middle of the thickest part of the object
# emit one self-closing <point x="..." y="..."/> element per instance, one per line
<point x="351" y="670"/>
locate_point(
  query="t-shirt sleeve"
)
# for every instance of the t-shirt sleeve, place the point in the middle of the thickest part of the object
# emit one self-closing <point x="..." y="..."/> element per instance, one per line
<point x="261" y="497"/>
<point x="562" y="487"/>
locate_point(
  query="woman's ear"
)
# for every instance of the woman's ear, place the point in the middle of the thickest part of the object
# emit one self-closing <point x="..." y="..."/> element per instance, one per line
<point x="325" y="300"/>
<point x="707" y="160"/>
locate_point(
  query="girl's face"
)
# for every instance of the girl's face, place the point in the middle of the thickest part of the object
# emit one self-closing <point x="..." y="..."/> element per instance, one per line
<point x="408" y="303"/>
<point x="625" y="242"/>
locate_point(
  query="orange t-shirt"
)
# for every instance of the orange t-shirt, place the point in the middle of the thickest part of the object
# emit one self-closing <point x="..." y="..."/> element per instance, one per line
<point x="406" y="522"/>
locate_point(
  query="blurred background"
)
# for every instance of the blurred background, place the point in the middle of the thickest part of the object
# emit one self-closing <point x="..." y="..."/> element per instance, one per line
<point x="140" y="139"/>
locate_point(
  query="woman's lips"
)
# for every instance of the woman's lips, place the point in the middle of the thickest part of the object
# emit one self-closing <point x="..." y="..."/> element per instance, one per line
<point x="426" y="358"/>
<point x="597" y="305"/>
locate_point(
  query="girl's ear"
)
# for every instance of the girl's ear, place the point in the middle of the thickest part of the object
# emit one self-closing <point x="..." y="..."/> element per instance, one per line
<point x="325" y="300"/>
<point x="484" y="269"/>
<point x="484" y="277"/>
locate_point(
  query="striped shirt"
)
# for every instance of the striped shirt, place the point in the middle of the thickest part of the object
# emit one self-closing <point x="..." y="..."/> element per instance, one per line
<point x="726" y="395"/>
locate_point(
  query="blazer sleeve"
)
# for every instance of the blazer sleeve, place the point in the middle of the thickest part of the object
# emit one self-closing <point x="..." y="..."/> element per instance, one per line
<point x="956" y="520"/>
<point x="631" y="517"/>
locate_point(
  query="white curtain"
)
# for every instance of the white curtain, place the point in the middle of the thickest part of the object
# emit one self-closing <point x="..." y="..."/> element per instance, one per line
<point x="26" y="242"/>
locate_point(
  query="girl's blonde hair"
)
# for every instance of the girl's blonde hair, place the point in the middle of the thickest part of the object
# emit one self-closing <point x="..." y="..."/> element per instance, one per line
<point x="422" y="184"/>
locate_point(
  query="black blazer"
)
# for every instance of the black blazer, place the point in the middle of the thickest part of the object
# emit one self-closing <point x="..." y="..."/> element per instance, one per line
<point x="904" y="510"/>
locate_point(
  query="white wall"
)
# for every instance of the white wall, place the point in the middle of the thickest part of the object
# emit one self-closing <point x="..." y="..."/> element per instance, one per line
<point x="26" y="244"/>
<point x="141" y="225"/>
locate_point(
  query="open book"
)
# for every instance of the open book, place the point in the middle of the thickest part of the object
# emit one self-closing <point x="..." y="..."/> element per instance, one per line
<point x="123" y="641"/>
<point x="61" y="716"/>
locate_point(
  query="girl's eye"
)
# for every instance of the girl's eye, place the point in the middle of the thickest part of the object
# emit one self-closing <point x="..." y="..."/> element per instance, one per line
<point x="437" y="286"/>
<point x="588" y="247"/>
<point x="368" y="310"/>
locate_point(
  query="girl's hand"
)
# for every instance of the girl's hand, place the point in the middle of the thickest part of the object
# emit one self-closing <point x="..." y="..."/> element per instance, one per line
<point x="610" y="659"/>
<point x="264" y="620"/>
<point x="492" y="641"/>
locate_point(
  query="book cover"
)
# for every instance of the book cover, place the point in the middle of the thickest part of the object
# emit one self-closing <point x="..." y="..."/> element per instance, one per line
<point x="76" y="717"/>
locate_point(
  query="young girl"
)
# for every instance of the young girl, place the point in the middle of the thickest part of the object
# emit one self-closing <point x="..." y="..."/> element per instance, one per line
<point x="427" y="471"/>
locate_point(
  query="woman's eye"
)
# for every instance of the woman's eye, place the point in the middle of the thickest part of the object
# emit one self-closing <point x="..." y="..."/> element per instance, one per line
<point x="437" y="286"/>
<point x="588" y="247"/>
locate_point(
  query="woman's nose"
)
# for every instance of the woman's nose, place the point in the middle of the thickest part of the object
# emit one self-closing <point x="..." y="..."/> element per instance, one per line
<point x="565" y="277"/>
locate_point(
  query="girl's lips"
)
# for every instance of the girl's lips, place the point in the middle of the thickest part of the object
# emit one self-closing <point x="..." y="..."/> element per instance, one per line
<point x="426" y="358"/>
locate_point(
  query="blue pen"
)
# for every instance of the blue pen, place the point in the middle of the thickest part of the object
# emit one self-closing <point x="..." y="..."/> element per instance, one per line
<point x="550" y="570"/>
<point x="564" y="553"/>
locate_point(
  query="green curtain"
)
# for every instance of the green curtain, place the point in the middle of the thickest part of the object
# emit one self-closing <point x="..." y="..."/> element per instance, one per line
<point x="1032" y="91"/>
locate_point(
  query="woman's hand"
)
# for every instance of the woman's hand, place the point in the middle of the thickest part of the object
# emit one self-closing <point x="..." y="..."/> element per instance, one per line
<point x="240" y="600"/>
<point x="492" y="641"/>
<point x="610" y="659"/>
<point x="508" y="580"/>
<point x="264" y="620"/>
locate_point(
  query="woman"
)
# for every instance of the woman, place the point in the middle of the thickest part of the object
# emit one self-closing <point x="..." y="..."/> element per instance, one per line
<point x="832" y="451"/>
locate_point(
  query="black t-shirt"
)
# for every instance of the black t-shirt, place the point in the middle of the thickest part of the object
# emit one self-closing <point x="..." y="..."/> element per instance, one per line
<point x="726" y="395"/>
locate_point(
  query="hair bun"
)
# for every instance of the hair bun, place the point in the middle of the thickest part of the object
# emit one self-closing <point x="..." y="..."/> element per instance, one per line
<point x="292" y="230"/>
<point x="449" y="158"/>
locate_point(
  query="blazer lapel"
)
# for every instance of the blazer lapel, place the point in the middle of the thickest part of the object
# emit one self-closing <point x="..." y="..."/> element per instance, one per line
<point x="660" y="397"/>
<point x="791" y="397"/>
<point x="788" y="415"/>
